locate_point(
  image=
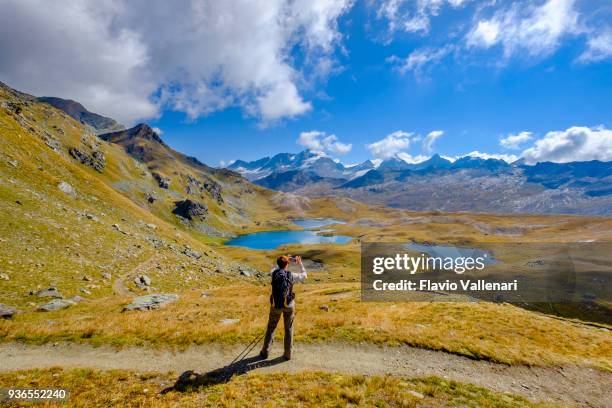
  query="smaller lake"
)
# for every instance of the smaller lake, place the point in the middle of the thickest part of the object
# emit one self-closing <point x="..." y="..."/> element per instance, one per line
<point x="274" y="239"/>
<point x="452" y="252"/>
<point x="315" y="223"/>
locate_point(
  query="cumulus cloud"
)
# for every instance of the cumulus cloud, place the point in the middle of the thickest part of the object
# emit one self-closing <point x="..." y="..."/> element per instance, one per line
<point x="574" y="144"/>
<point x="599" y="47"/>
<point x="129" y="58"/>
<point x="430" y="139"/>
<point x="537" y="30"/>
<point x="391" y="145"/>
<point x="514" y="142"/>
<point x="321" y="142"/>
<point x="158" y="131"/>
<point x="408" y="158"/>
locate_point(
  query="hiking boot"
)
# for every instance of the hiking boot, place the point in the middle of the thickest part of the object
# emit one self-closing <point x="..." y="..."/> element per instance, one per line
<point x="263" y="355"/>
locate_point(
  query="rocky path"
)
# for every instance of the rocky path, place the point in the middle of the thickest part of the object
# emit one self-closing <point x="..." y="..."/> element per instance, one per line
<point x="573" y="385"/>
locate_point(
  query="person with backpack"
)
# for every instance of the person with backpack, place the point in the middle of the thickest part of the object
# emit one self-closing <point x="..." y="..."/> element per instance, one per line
<point x="282" y="302"/>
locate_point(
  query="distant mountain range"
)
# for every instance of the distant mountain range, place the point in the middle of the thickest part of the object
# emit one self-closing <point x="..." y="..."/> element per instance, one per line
<point x="438" y="184"/>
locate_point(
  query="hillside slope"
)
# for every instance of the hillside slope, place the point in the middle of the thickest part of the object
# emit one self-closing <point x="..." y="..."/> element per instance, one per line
<point x="78" y="213"/>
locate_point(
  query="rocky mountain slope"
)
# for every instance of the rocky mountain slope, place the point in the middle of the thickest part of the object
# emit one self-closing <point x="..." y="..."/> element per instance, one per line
<point x="468" y="184"/>
<point x="98" y="123"/>
<point x="84" y="216"/>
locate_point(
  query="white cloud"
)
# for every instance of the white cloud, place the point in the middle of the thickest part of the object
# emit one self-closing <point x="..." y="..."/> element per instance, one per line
<point x="430" y="139"/>
<point x="421" y="60"/>
<point x="410" y="15"/>
<point x="128" y="58"/>
<point x="508" y="158"/>
<point x="537" y="30"/>
<point x="574" y="144"/>
<point x="391" y="145"/>
<point x="321" y="142"/>
<point x="158" y="131"/>
<point x="514" y="142"/>
<point x="599" y="47"/>
<point x="408" y="158"/>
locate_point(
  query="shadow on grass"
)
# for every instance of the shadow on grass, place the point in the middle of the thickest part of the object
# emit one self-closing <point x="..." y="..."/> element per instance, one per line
<point x="191" y="381"/>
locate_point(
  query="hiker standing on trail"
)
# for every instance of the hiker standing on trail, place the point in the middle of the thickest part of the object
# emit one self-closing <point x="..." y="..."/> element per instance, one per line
<point x="282" y="301"/>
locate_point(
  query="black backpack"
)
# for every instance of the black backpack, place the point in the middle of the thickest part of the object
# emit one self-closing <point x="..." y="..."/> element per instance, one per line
<point x="282" y="288"/>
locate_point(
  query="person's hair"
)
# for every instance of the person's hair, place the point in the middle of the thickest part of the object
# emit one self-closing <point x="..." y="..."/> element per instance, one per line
<point x="282" y="261"/>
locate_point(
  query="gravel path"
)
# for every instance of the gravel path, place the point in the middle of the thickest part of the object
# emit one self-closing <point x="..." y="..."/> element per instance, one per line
<point x="574" y="385"/>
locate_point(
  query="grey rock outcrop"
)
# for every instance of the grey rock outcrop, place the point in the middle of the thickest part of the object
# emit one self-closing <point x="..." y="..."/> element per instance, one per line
<point x="189" y="209"/>
<point x="150" y="302"/>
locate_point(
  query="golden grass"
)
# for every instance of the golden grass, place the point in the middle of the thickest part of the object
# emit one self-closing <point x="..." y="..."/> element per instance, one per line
<point x="496" y="332"/>
<point x="91" y="388"/>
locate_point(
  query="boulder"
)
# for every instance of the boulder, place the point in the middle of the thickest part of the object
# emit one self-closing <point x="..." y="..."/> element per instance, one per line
<point x="67" y="188"/>
<point x="189" y="209"/>
<point x="150" y="302"/>
<point x="7" y="312"/>
<point x="4" y="276"/>
<point x="107" y="275"/>
<point x="191" y="253"/>
<point x="49" y="292"/>
<point x="55" y="304"/>
<point x="161" y="181"/>
<point x="142" y="281"/>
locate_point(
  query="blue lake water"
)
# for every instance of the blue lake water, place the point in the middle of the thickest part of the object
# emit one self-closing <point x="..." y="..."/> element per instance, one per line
<point x="274" y="239"/>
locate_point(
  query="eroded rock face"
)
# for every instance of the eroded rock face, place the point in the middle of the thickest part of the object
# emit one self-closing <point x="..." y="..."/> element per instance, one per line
<point x="195" y="186"/>
<point x="96" y="160"/>
<point x="151" y="302"/>
<point x="161" y="181"/>
<point x="189" y="209"/>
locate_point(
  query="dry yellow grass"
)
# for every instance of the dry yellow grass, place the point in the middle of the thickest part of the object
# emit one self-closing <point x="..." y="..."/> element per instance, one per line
<point x="497" y="332"/>
<point x="89" y="388"/>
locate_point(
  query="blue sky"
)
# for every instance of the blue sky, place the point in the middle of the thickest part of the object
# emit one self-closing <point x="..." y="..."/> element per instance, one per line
<point x="537" y="74"/>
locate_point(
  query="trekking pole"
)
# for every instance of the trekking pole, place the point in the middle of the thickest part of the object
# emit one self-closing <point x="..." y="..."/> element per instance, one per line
<point x="241" y="356"/>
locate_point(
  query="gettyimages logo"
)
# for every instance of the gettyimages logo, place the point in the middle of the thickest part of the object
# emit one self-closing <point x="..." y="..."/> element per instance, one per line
<point x="518" y="272"/>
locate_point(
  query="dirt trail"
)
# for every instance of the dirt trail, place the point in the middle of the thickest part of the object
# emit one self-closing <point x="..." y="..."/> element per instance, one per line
<point x="583" y="386"/>
<point x="119" y="286"/>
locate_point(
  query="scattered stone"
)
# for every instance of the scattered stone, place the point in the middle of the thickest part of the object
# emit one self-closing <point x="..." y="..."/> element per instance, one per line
<point x="324" y="308"/>
<point x="87" y="278"/>
<point x="205" y="294"/>
<point x="142" y="281"/>
<point x="107" y="275"/>
<point x="49" y="292"/>
<point x="118" y="229"/>
<point x="191" y="253"/>
<point x="227" y="322"/>
<point x="76" y="299"/>
<point x="161" y="181"/>
<point x="4" y="276"/>
<point x="55" y="304"/>
<point x="67" y="188"/>
<point x="13" y="163"/>
<point x="151" y="198"/>
<point x="7" y="312"/>
<point x="85" y="291"/>
<point x="91" y="217"/>
<point x="415" y="394"/>
<point x="151" y="226"/>
<point x="150" y="302"/>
